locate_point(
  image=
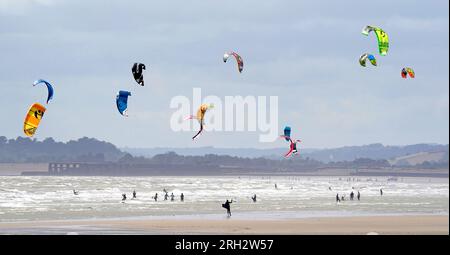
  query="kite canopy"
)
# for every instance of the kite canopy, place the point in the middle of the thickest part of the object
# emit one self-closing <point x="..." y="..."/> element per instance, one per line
<point x="122" y="102"/>
<point x="202" y="111"/>
<point x="138" y="73"/>
<point x="32" y="119"/>
<point x="406" y="71"/>
<point x="382" y="37"/>
<point x="49" y="88"/>
<point x="238" y="58"/>
<point x="287" y="133"/>
<point x="364" y="57"/>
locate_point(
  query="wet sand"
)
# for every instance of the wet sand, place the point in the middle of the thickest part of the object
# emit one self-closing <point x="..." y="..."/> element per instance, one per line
<point x="387" y="225"/>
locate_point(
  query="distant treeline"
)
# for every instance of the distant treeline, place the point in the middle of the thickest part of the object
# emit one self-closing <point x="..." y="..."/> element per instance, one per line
<point x="26" y="150"/>
<point x="297" y="163"/>
<point x="90" y="150"/>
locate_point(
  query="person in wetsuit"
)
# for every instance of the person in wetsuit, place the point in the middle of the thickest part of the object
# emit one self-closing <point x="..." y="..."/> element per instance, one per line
<point x="172" y="197"/>
<point x="182" y="197"/>
<point x="358" y="196"/>
<point x="227" y="206"/>
<point x="254" y="198"/>
<point x="156" y="197"/>
<point x="337" y="198"/>
<point x="124" y="197"/>
<point x="134" y="193"/>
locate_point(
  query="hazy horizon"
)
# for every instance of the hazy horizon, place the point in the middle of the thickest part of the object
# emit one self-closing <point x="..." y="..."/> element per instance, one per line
<point x="305" y="53"/>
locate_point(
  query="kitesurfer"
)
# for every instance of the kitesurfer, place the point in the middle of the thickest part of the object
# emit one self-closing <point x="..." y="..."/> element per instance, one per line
<point x="227" y="206"/>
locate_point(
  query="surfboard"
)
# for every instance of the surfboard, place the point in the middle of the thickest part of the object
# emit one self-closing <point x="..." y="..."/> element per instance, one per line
<point x="33" y="118"/>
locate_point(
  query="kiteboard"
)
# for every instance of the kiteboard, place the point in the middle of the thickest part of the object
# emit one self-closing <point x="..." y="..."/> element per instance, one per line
<point x="33" y="118"/>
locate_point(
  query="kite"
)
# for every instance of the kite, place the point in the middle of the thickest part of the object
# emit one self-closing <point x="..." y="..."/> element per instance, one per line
<point x="122" y="102"/>
<point x="238" y="58"/>
<point x="287" y="133"/>
<point x="201" y="116"/>
<point x="406" y="71"/>
<point x="33" y="118"/>
<point x="49" y="88"/>
<point x="293" y="142"/>
<point x="137" y="73"/>
<point x="382" y="37"/>
<point x="364" y="57"/>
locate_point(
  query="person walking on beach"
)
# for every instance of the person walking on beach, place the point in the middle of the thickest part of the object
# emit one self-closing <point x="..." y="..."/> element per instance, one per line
<point x="254" y="198"/>
<point x="337" y="198"/>
<point x="134" y="193"/>
<point x="172" y="197"/>
<point x="182" y="197"/>
<point x="227" y="206"/>
<point x="358" y="196"/>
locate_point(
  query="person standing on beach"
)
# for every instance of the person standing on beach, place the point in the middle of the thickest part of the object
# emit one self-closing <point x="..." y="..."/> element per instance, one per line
<point x="227" y="206"/>
<point x="182" y="197"/>
<point x="358" y="196"/>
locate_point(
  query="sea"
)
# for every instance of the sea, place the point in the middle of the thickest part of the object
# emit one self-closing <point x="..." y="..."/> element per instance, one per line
<point x="42" y="198"/>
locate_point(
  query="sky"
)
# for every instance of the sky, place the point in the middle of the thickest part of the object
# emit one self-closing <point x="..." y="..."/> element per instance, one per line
<point x="304" y="52"/>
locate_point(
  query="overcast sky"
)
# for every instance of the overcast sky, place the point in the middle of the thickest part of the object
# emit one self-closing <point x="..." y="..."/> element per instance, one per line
<point x="304" y="52"/>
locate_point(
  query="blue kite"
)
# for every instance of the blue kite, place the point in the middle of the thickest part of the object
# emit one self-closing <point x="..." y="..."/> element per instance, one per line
<point x="122" y="102"/>
<point x="49" y="88"/>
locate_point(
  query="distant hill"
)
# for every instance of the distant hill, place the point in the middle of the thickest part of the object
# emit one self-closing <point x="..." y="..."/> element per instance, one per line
<point x="374" y="151"/>
<point x="201" y="151"/>
<point x="26" y="150"/>
<point x="420" y="158"/>
<point x="348" y="153"/>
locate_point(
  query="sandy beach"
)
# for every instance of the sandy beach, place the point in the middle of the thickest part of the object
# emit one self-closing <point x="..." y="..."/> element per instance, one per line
<point x="383" y="225"/>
